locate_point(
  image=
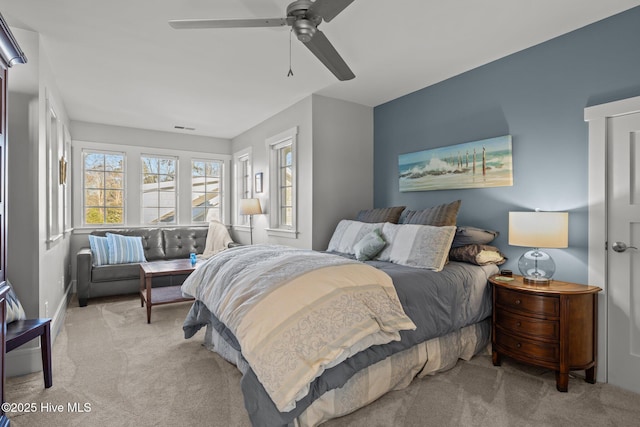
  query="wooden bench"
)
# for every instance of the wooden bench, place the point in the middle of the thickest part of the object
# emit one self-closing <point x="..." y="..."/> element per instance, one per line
<point x="23" y="331"/>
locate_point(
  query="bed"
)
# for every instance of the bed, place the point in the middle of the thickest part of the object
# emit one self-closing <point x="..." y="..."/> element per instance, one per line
<point x="395" y="320"/>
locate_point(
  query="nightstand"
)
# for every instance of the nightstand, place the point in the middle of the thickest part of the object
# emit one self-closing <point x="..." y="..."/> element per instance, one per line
<point x="553" y="326"/>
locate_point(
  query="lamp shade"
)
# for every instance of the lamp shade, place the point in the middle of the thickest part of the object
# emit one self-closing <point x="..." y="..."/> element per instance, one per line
<point x="539" y="229"/>
<point x="250" y="207"/>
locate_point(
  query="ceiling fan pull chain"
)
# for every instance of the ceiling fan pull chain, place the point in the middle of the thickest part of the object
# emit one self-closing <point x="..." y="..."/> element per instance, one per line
<point x="290" y="73"/>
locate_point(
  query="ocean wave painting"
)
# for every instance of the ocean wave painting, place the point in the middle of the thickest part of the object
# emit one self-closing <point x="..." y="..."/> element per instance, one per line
<point x="477" y="164"/>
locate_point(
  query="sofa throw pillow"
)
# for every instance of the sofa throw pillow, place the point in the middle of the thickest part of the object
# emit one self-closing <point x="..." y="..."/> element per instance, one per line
<point x="477" y="254"/>
<point x="391" y="214"/>
<point x="99" y="250"/>
<point x="348" y="233"/>
<point x="125" y="249"/>
<point x="466" y="235"/>
<point x="414" y="245"/>
<point x="439" y="216"/>
<point x="369" y="246"/>
<point x="14" y="308"/>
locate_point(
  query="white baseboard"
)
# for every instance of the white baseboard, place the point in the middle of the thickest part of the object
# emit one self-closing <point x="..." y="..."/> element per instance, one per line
<point x="28" y="359"/>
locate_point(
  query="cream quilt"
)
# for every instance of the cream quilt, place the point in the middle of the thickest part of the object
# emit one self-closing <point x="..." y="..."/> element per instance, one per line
<point x="296" y="312"/>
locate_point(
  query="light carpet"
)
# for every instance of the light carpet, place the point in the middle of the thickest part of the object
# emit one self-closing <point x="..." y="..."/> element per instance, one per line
<point x="130" y="373"/>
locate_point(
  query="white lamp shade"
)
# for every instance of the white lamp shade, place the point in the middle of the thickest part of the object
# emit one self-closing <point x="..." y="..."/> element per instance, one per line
<point x="539" y="229"/>
<point x="250" y="207"/>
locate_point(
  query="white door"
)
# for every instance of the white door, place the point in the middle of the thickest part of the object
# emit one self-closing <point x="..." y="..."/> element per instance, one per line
<point x="623" y="213"/>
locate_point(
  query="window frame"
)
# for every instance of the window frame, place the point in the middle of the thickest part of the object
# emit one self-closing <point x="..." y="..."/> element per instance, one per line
<point x="243" y="169"/>
<point x="275" y="144"/>
<point x="83" y="203"/>
<point x="176" y="184"/>
<point x="133" y="177"/>
<point x="221" y="192"/>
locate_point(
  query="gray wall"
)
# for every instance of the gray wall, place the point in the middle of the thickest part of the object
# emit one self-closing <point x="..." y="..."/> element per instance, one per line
<point x="538" y="96"/>
<point x="22" y="236"/>
<point x="342" y="164"/>
<point x="109" y="134"/>
<point x="334" y="171"/>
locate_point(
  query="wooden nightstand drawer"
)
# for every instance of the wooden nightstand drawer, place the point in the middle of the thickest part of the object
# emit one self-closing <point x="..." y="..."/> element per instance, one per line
<point x="551" y="325"/>
<point x="543" y="329"/>
<point x="528" y="349"/>
<point x="527" y="303"/>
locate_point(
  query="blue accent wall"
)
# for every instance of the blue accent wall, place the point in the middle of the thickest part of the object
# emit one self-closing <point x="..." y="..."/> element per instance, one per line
<point x="538" y="96"/>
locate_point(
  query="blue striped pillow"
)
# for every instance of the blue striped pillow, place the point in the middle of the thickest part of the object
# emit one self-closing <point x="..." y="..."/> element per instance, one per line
<point x="125" y="249"/>
<point x="99" y="249"/>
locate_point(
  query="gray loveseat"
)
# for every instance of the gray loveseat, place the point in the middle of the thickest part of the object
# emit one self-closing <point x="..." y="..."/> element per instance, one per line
<point x="158" y="244"/>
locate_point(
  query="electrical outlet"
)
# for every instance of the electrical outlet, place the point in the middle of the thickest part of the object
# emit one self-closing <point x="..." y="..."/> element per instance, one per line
<point x="46" y="309"/>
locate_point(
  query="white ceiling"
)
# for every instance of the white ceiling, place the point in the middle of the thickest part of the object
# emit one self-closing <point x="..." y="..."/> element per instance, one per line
<point x="118" y="62"/>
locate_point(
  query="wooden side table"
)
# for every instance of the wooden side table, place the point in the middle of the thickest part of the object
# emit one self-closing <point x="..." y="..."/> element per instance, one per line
<point x="553" y="326"/>
<point x="165" y="294"/>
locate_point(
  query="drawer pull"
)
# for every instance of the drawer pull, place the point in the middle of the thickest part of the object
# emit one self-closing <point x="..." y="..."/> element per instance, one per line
<point x="518" y="345"/>
<point x="518" y="324"/>
<point x="517" y="302"/>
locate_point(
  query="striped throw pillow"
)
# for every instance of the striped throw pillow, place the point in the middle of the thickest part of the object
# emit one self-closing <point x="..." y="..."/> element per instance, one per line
<point x="414" y="245"/>
<point x="125" y="249"/>
<point x="14" y="308"/>
<point x="348" y="233"/>
<point x="99" y="250"/>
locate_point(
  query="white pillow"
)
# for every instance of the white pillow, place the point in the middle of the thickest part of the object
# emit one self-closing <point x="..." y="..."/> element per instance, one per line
<point x="414" y="245"/>
<point x="348" y="233"/>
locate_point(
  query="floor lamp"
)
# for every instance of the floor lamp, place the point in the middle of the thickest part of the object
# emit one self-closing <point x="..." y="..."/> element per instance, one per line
<point x="250" y="207"/>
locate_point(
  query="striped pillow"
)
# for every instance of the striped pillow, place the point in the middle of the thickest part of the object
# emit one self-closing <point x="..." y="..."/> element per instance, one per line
<point x="99" y="250"/>
<point x="14" y="308"/>
<point x="440" y="215"/>
<point x="125" y="249"/>
<point x="414" y="245"/>
<point x="348" y="233"/>
<point x="391" y="214"/>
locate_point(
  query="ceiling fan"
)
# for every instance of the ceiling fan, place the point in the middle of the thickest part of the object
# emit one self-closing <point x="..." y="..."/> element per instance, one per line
<point x="303" y="16"/>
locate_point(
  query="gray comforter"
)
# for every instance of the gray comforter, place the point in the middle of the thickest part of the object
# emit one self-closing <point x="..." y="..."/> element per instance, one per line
<point x="437" y="302"/>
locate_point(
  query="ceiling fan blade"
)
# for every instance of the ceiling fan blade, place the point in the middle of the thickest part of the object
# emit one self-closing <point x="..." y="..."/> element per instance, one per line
<point x="328" y="9"/>
<point x="187" y="24"/>
<point x="322" y="48"/>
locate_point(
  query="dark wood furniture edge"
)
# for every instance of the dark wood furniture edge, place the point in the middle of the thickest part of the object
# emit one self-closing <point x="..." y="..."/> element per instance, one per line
<point x="562" y="368"/>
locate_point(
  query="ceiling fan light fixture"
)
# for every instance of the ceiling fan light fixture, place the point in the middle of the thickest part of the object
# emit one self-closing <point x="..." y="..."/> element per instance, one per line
<point x="304" y="30"/>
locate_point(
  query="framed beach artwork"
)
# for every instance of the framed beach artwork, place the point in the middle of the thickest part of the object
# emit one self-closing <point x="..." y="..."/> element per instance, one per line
<point x="477" y="164"/>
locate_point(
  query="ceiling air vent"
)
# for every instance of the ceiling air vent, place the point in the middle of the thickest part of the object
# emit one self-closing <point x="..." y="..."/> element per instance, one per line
<point x="183" y="127"/>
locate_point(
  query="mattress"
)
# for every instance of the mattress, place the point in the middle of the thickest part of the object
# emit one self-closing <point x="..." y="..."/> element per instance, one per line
<point x="441" y="304"/>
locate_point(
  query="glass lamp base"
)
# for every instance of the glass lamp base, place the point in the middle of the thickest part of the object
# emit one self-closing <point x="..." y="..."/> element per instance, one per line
<point x="536" y="267"/>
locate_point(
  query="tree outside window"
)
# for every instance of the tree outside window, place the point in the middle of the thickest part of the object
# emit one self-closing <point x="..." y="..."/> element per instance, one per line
<point x="103" y="188"/>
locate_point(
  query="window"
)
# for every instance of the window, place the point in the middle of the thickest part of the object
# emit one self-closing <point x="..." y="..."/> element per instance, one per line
<point x="103" y="188"/>
<point x="282" y="150"/>
<point x="135" y="186"/>
<point x="158" y="190"/>
<point x="285" y="184"/>
<point x="242" y="176"/>
<point x="206" y="190"/>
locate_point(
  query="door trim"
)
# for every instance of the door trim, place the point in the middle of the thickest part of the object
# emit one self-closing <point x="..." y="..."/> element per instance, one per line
<point x="597" y="117"/>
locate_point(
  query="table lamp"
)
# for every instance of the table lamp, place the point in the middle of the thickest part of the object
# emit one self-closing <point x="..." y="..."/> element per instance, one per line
<point x="538" y="230"/>
<point x="250" y="207"/>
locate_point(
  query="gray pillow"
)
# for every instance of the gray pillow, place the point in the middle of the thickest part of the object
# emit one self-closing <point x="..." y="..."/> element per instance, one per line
<point x="438" y="216"/>
<point x="466" y="235"/>
<point x="369" y="246"/>
<point x="381" y="214"/>
<point x="477" y="254"/>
